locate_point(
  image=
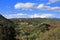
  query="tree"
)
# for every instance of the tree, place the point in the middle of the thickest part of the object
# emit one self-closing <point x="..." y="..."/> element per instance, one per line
<point x="44" y="27"/>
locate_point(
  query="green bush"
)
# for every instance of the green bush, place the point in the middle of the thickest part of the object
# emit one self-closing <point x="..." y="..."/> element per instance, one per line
<point x="32" y="36"/>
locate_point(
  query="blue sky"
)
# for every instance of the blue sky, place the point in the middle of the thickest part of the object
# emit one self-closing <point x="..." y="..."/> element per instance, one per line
<point x="30" y="8"/>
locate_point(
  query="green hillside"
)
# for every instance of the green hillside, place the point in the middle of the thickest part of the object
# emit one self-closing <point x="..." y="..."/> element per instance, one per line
<point x="37" y="28"/>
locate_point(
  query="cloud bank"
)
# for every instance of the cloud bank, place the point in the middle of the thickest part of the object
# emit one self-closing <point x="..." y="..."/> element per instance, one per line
<point x="18" y="15"/>
<point x="33" y="6"/>
<point x="36" y="15"/>
<point x="43" y="7"/>
<point x="41" y="16"/>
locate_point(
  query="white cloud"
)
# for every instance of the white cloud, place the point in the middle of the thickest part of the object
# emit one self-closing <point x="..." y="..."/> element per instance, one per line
<point x="41" y="16"/>
<point x="43" y="7"/>
<point x="40" y="6"/>
<point x="34" y="16"/>
<point x="52" y="1"/>
<point x="55" y="8"/>
<point x="18" y="15"/>
<point x="46" y="15"/>
<point x="24" y="5"/>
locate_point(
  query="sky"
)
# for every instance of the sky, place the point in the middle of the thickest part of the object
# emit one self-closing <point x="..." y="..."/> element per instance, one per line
<point x="30" y="8"/>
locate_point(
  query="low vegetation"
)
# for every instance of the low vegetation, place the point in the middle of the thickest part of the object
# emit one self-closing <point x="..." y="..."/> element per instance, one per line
<point x="29" y="29"/>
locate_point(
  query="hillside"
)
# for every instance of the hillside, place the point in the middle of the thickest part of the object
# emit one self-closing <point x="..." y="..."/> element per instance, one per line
<point x="35" y="28"/>
<point x="7" y="29"/>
